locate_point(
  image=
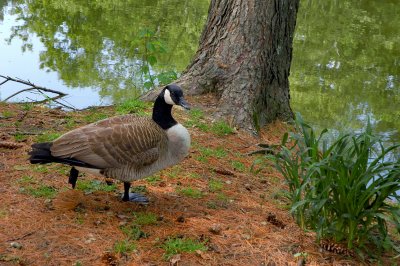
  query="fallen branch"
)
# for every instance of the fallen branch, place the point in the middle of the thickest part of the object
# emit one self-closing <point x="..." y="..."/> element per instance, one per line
<point x="32" y="87"/>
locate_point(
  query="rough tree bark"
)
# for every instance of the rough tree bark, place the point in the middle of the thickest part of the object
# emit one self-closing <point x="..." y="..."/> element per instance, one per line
<point x="244" y="58"/>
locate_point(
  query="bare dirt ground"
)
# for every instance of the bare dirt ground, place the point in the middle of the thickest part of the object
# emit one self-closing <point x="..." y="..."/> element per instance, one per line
<point x="239" y="216"/>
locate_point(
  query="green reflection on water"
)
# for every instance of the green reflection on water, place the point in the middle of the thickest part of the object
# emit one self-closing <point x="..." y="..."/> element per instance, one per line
<point x="346" y="64"/>
<point x="97" y="43"/>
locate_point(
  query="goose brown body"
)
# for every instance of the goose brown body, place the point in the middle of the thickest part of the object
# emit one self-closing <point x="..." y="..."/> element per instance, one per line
<point x="126" y="147"/>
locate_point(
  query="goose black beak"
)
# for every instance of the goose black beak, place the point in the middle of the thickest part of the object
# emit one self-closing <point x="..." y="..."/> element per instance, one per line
<point x="184" y="103"/>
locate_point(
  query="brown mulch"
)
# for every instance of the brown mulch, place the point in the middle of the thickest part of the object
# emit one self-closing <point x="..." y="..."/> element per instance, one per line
<point x="247" y="222"/>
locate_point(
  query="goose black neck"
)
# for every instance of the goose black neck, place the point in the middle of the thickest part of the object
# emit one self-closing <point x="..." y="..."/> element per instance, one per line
<point x="162" y="113"/>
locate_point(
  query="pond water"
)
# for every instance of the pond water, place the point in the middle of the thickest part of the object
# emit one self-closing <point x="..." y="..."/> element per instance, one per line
<point x="345" y="68"/>
<point x="98" y="52"/>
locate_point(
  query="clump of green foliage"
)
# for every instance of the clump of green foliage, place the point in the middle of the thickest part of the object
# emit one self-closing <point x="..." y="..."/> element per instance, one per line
<point x="153" y="46"/>
<point x="178" y="245"/>
<point x="342" y="189"/>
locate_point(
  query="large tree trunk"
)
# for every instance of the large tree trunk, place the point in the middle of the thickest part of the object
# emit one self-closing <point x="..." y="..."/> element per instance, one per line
<point x="244" y="58"/>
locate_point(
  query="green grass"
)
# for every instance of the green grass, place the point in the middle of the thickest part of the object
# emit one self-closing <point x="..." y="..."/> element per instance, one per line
<point x="133" y="232"/>
<point x="179" y="245"/>
<point x="193" y="175"/>
<point x="48" y="136"/>
<point x="64" y="170"/>
<point x="145" y="218"/>
<point x="94" y="116"/>
<point x="239" y="166"/>
<point x="26" y="179"/>
<point x="20" y="137"/>
<point x="124" y="247"/>
<point x="133" y="106"/>
<point x="205" y="153"/>
<point x="154" y="179"/>
<point x="139" y="189"/>
<point x="221" y="128"/>
<point x="217" y="153"/>
<point x="70" y="123"/>
<point x="3" y="213"/>
<point x="215" y="185"/>
<point x="39" y="168"/>
<point x="340" y="189"/>
<point x="173" y="172"/>
<point x="79" y="219"/>
<point x="7" y="114"/>
<point x="27" y="106"/>
<point x="190" y="192"/>
<point x="41" y="191"/>
<point x="90" y="186"/>
<point x="195" y="119"/>
<point x="220" y="202"/>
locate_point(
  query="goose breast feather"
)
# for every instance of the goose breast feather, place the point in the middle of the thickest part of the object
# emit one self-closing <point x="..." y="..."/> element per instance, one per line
<point x="114" y="142"/>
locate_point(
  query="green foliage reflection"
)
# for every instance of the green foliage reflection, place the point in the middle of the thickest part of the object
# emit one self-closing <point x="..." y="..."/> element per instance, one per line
<point x="346" y="64"/>
<point x="113" y="45"/>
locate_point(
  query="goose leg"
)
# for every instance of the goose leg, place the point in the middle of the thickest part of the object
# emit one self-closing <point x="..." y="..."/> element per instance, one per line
<point x="133" y="197"/>
<point x="73" y="176"/>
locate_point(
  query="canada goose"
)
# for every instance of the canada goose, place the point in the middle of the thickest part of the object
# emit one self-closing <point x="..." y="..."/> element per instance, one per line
<point x="126" y="147"/>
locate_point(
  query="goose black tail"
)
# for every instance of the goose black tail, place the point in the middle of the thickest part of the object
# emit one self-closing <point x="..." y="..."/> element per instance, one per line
<point x="41" y="154"/>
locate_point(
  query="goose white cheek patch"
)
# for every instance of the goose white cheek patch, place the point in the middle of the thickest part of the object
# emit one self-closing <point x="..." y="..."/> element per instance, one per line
<point x="167" y="97"/>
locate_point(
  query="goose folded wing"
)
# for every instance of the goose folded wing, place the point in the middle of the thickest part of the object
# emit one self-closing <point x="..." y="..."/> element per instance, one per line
<point x="112" y="145"/>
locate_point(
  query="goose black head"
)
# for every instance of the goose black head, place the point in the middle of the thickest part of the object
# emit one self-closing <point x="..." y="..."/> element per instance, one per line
<point x="173" y="95"/>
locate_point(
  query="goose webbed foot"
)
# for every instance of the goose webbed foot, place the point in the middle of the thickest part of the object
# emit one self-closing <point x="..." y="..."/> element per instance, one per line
<point x="133" y="197"/>
<point x="73" y="176"/>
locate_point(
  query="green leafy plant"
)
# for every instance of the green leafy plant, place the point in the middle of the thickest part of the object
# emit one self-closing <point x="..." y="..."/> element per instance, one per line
<point x="341" y="190"/>
<point x="178" y="245"/>
<point x="153" y="47"/>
